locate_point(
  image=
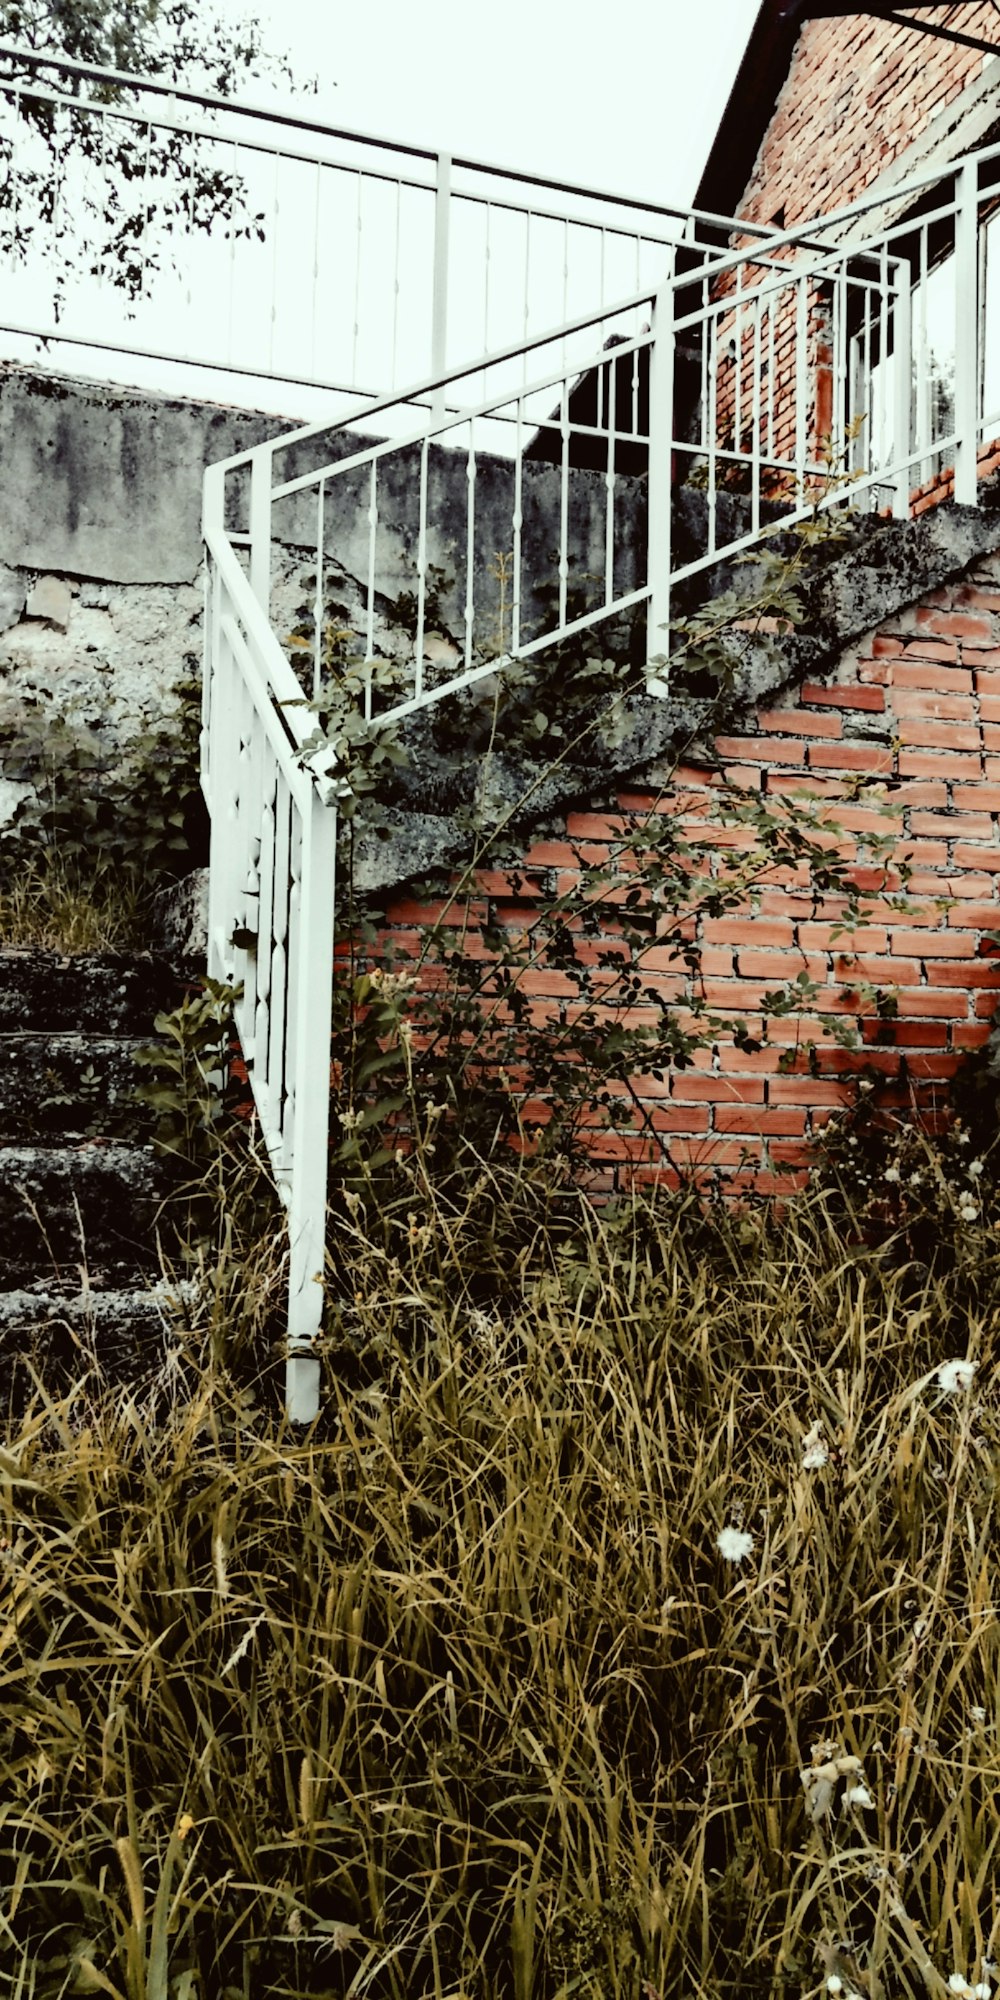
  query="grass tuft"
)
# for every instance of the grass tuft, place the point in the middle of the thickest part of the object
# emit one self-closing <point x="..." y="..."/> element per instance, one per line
<point x="460" y="1696"/>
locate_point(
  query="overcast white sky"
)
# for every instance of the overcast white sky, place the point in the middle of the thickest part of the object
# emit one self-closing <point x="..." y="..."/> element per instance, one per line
<point x="625" y="96"/>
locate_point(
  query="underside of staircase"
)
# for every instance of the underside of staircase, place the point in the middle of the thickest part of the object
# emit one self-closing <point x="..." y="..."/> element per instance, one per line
<point x="81" y="1188"/>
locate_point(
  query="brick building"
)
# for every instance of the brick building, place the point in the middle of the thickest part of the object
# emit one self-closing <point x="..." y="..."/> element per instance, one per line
<point x="832" y="105"/>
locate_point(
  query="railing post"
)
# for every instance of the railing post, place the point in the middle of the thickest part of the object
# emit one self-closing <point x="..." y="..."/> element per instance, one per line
<point x="966" y="331"/>
<point x="310" y="1132"/>
<point x="439" y="307"/>
<point x="902" y="341"/>
<point x="261" y="466"/>
<point x="659" y="494"/>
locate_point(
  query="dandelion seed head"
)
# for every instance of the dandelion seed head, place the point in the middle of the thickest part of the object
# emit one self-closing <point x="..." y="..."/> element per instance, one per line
<point x="734" y="1544"/>
<point x="955" y="1375"/>
<point x="858" y="1795"/>
<point x="975" y="1169"/>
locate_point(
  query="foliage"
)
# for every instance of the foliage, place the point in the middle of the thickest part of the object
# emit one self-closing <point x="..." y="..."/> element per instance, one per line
<point x="100" y="830"/>
<point x="625" y="1629"/>
<point x="448" y="1032"/>
<point x="103" y="196"/>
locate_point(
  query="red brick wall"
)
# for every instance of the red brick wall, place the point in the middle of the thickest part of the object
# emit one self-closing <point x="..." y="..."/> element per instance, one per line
<point x="917" y="706"/>
<point x="858" y="93"/>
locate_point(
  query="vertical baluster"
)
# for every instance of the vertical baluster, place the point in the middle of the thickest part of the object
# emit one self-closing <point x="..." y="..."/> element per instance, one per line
<point x="395" y="289"/>
<point x="272" y="328"/>
<point x="441" y="283"/>
<point x="659" y="559"/>
<point x="486" y="284"/>
<point x="311" y="1088"/>
<point x="801" y="388"/>
<point x="294" y="956"/>
<point x="867" y="397"/>
<point x="470" y="543"/>
<point x="357" y="287"/>
<point x="902" y="388"/>
<point x="418" y="664"/>
<point x="704" y="364"/>
<point x="370" y="619"/>
<point x="317" y="210"/>
<point x="883" y="349"/>
<point x="564" y="504"/>
<point x="609" y="483"/>
<point x="233" y="185"/>
<point x="738" y="359"/>
<point x="771" y="364"/>
<point x="147" y="209"/>
<point x="755" y="423"/>
<point x="319" y="604"/>
<point x="966" y="331"/>
<point x="527" y="284"/>
<point x="266" y="1084"/>
<point x="15" y="168"/>
<point x="712" y="336"/>
<point x="565" y="276"/>
<point x="515" y="524"/>
<point x="924" y="416"/>
<point x="278" y="983"/>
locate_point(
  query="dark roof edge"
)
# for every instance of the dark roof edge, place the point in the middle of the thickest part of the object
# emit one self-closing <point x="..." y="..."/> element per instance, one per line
<point x="750" y="106"/>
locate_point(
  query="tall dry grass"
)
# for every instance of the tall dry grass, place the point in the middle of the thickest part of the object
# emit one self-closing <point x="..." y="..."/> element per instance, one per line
<point x="459" y="1696"/>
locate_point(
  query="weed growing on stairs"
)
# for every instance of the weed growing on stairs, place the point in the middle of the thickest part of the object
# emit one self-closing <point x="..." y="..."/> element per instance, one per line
<point x="97" y="833"/>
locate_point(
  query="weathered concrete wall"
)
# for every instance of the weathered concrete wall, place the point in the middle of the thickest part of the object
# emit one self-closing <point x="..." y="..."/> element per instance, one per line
<point x="101" y="553"/>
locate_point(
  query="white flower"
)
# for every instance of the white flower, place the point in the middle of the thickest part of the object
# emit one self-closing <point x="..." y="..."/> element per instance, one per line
<point x="733" y="1544"/>
<point x="816" y="1456"/>
<point x="978" y="1714"/>
<point x="975" y="1169"/>
<point x="858" y="1795"/>
<point x="916" y="1180"/>
<point x="892" y="1174"/>
<point x="959" y="1985"/>
<point x="834" y="1985"/>
<point x="955" y="1375"/>
<point x="982" y="1991"/>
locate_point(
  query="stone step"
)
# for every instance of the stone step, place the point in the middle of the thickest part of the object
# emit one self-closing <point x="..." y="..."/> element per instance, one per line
<point x="63" y="1208"/>
<point x="108" y="993"/>
<point x="66" y="1085"/>
<point x="124" y="1332"/>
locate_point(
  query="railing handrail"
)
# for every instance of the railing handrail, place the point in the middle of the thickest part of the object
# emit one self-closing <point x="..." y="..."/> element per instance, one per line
<point x="294" y="121"/>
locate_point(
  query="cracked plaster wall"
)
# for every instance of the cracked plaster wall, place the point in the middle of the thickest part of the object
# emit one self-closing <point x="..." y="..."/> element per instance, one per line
<point x="101" y="553"/>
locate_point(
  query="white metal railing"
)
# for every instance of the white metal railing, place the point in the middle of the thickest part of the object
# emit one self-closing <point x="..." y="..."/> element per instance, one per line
<point x="271" y="918"/>
<point x="847" y="362"/>
<point x="138" y="217"/>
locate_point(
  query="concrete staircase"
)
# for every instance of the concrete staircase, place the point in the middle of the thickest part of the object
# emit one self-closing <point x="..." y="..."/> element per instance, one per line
<point x="80" y="1185"/>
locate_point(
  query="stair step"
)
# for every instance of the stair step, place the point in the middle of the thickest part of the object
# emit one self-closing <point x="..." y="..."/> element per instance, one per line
<point x="66" y="1206"/>
<point x="123" y="1332"/>
<point x="108" y="993"/>
<point x="70" y="1085"/>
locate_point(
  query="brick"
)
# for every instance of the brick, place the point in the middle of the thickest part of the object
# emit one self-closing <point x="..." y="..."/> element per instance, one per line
<point x="980" y="857"/>
<point x="807" y="1090"/>
<point x="874" y="758"/>
<point x="965" y="626"/>
<point x="795" y="722"/>
<point x="785" y="1121"/>
<point x="967" y="826"/>
<point x="940" y="735"/>
<point x="985" y="1004"/>
<point x="711" y="1152"/>
<point x="974" y="916"/>
<point x="925" y="673"/>
<point x="939" y="764"/>
<point x="779" y="965"/>
<point x="762" y="932"/>
<point x="596" y="826"/>
<point x="923" y="704"/>
<point x="679" y="1117"/>
<point x="717" y="1088"/>
<point x="977" y="798"/>
<point x="877" y="969"/>
<point x="869" y="698"/>
<point x="964" y="972"/>
<point x="971" y="1034"/>
<point x="833" y="937"/>
<point x="930" y="944"/>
